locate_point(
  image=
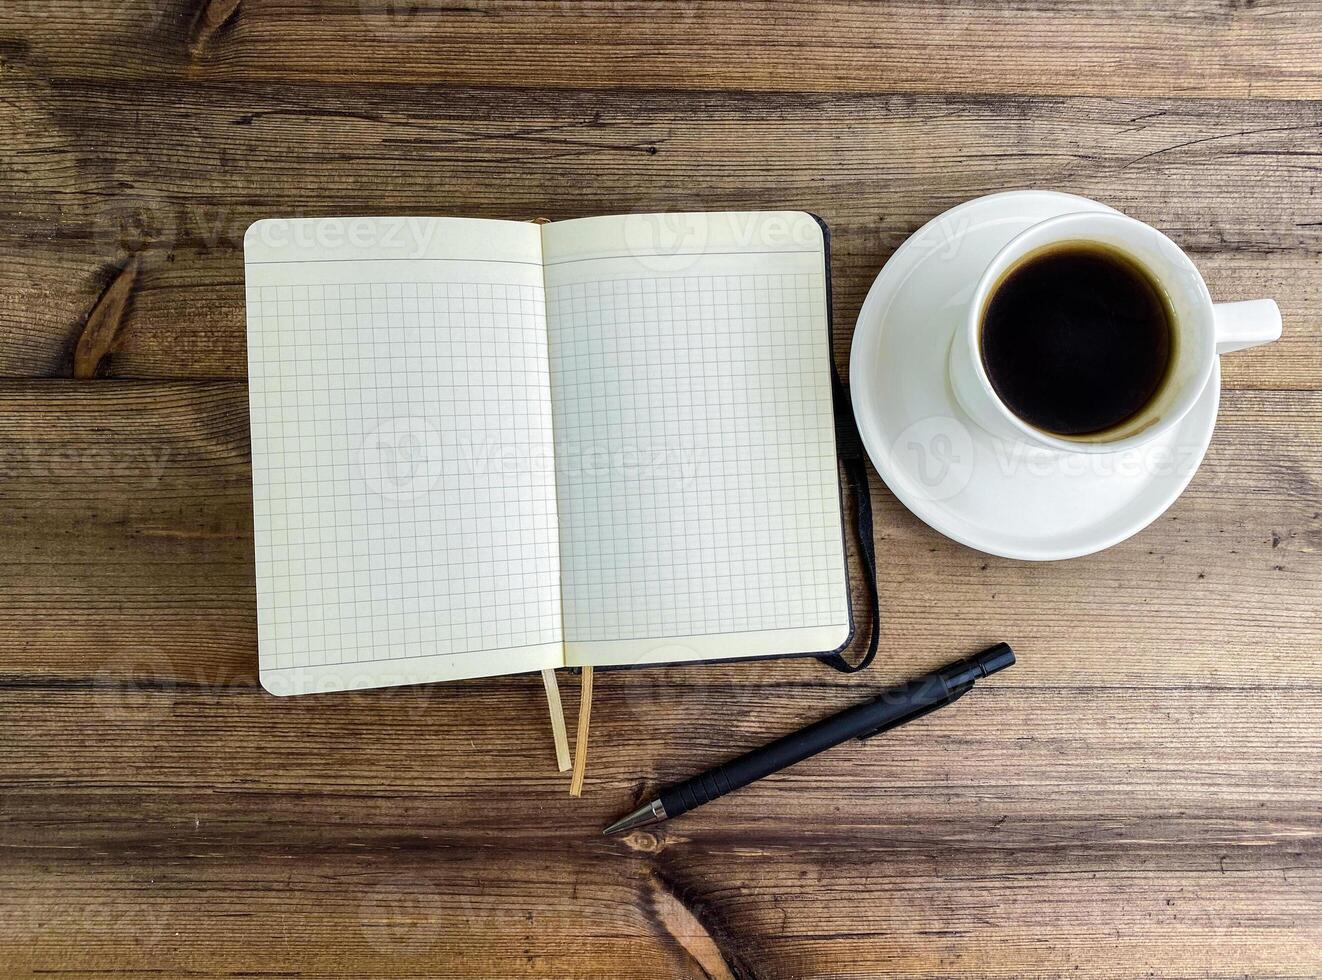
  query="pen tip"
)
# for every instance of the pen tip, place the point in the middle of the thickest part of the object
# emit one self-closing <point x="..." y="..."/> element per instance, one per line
<point x="648" y="813"/>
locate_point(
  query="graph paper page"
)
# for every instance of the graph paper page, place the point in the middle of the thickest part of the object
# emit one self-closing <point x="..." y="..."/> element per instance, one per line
<point x="403" y="485"/>
<point x="695" y="441"/>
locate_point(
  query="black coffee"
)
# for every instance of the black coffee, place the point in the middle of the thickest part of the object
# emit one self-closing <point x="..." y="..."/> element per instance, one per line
<point x="1077" y="339"/>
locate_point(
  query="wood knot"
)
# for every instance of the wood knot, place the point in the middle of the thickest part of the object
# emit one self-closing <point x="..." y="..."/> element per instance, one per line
<point x="215" y="14"/>
<point x="643" y="842"/>
<point x="105" y="322"/>
<point x="695" y="929"/>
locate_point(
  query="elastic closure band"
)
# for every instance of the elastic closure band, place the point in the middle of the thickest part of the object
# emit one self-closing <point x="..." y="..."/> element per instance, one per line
<point x="849" y="444"/>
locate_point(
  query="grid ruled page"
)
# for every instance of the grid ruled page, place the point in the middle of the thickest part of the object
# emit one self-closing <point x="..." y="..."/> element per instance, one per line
<point x="404" y="493"/>
<point x="695" y="443"/>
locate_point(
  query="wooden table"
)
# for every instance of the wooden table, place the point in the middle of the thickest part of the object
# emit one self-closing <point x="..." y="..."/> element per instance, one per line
<point x="1141" y="795"/>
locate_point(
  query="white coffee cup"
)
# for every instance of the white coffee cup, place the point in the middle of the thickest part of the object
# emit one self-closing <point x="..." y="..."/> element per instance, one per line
<point x="1203" y="330"/>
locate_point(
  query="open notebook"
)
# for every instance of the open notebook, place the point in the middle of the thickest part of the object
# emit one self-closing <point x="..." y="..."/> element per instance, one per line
<point x="488" y="447"/>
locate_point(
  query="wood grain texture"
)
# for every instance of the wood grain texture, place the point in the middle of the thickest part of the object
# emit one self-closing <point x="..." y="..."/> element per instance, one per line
<point x="1169" y="834"/>
<point x="1139" y="796"/>
<point x="1236" y="48"/>
<point x="1232" y="182"/>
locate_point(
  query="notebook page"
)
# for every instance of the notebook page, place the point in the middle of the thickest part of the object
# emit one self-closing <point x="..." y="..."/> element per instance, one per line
<point x="403" y="485"/>
<point x="695" y="442"/>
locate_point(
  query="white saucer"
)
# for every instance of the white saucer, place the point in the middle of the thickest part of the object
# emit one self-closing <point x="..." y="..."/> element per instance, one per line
<point x="1002" y="498"/>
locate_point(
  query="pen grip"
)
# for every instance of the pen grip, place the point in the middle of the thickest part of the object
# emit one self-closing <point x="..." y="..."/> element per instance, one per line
<point x="793" y="748"/>
<point x="701" y="789"/>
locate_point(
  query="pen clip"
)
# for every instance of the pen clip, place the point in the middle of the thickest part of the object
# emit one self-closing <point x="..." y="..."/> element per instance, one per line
<point x="955" y="695"/>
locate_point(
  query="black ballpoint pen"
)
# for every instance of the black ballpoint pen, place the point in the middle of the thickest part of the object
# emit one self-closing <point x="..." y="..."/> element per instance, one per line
<point x="895" y="707"/>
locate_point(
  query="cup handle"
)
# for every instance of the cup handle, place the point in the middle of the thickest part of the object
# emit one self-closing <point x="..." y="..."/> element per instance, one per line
<point x="1246" y="324"/>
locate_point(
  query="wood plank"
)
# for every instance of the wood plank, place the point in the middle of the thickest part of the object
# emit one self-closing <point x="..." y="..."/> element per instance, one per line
<point x="1143" y="823"/>
<point x="403" y="911"/>
<point x="145" y="547"/>
<point x="1049" y="47"/>
<point x="791" y="910"/>
<point x="1232" y="182"/>
<point x="1055" y="750"/>
<point x="127" y="525"/>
